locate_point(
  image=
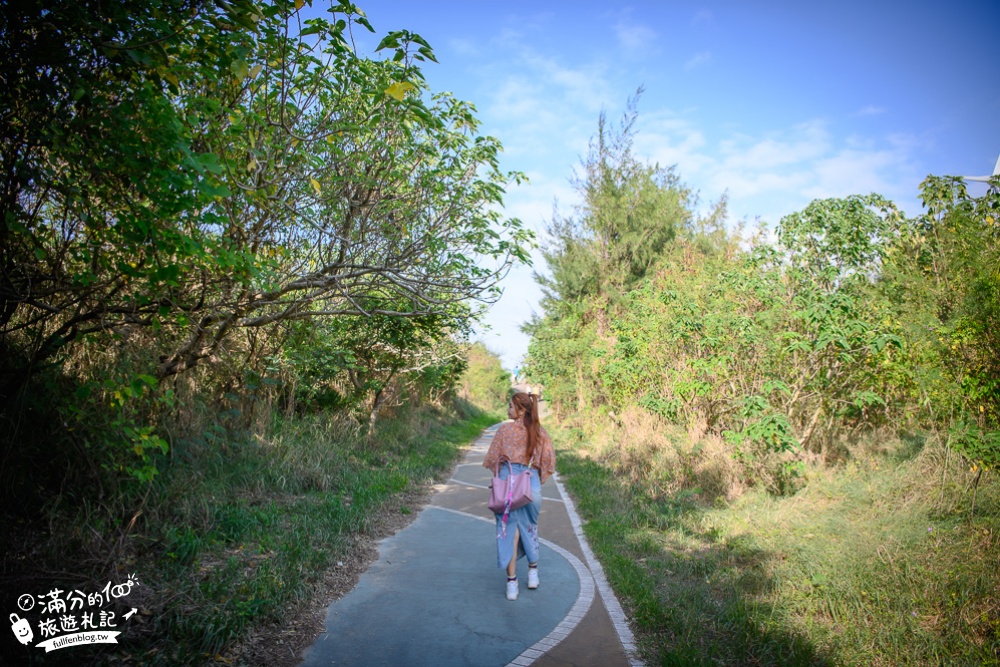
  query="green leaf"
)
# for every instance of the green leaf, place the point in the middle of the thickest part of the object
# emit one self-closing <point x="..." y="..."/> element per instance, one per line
<point x="214" y="189"/>
<point x="427" y="53"/>
<point x="209" y="162"/>
<point x="390" y="41"/>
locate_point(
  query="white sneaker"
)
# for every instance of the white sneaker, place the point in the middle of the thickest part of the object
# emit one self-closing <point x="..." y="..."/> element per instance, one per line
<point x="532" y="577"/>
<point x="512" y="590"/>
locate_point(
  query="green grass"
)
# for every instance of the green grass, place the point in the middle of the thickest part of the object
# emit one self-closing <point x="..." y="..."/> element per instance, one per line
<point x="281" y="513"/>
<point x="873" y="563"/>
<point x="236" y="534"/>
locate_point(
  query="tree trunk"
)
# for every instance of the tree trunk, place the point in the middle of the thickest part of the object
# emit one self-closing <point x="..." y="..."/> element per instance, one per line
<point x="376" y="406"/>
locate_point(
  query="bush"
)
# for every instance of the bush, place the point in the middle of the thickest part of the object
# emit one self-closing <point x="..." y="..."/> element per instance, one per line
<point x="484" y="383"/>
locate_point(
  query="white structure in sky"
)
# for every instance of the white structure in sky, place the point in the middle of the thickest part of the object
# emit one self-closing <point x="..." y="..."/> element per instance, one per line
<point x="986" y="179"/>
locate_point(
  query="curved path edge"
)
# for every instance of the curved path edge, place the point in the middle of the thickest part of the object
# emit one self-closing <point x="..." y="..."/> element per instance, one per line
<point x="594" y="568"/>
<point x="576" y="613"/>
<point x="608" y="596"/>
<point x="577" y="627"/>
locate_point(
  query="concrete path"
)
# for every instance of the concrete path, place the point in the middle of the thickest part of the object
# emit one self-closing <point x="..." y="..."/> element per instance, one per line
<point x="435" y="596"/>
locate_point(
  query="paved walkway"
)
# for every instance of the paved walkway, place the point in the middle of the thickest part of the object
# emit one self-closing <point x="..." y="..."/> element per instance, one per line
<point x="435" y="596"/>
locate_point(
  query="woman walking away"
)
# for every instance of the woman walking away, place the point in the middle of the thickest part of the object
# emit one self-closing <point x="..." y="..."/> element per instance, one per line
<point x="525" y="444"/>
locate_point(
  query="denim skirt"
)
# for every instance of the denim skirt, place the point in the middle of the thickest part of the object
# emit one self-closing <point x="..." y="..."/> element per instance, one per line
<point x="523" y="520"/>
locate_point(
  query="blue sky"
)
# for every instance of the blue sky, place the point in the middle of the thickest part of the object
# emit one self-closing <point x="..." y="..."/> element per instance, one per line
<point x="775" y="103"/>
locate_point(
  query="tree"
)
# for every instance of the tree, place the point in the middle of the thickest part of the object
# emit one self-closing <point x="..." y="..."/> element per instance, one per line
<point x="630" y="211"/>
<point x="283" y="177"/>
<point x="949" y="264"/>
<point x="630" y="214"/>
<point x="484" y="382"/>
<point x="83" y="116"/>
<point x="835" y="240"/>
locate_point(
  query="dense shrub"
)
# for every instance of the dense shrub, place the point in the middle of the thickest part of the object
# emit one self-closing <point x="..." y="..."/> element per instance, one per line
<point x="853" y="319"/>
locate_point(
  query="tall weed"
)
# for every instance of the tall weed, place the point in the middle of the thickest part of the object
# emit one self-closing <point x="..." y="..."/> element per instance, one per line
<point x="236" y="533"/>
<point x="876" y="562"/>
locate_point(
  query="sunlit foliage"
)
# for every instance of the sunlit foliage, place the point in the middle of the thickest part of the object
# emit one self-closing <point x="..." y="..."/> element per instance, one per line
<point x="853" y="318"/>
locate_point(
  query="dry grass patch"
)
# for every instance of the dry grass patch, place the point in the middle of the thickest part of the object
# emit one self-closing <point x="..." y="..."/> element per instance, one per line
<point x="875" y="561"/>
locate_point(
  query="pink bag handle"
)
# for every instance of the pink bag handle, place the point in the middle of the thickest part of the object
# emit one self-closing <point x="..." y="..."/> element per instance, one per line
<point x="496" y="466"/>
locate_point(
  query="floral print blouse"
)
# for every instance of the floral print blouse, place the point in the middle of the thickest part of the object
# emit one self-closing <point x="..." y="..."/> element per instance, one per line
<point x="511" y="441"/>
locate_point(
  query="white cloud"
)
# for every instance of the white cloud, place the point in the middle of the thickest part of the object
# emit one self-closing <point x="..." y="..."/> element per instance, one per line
<point x="703" y="16"/>
<point x="778" y="172"/>
<point x="541" y="107"/>
<point x="532" y="202"/>
<point x="805" y="141"/>
<point x="635" y="39"/>
<point x="464" y="47"/>
<point x="585" y="86"/>
<point x="501" y="330"/>
<point x="870" y="110"/>
<point x="668" y="139"/>
<point x="697" y="60"/>
<point x="518" y="97"/>
<point x="852" y="171"/>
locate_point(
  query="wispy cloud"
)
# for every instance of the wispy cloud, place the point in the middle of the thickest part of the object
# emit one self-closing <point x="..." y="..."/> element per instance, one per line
<point x="464" y="47"/>
<point x="542" y="106"/>
<point x="698" y="59"/>
<point x="703" y="16"/>
<point x="850" y="171"/>
<point x="635" y="39"/>
<point x="534" y="202"/>
<point x="671" y="139"/>
<point x="805" y="141"/>
<point x="870" y="110"/>
<point x="581" y="82"/>
<point x="779" y="172"/>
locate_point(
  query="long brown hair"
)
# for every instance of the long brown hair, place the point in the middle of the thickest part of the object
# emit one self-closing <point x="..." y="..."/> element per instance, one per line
<point x="529" y="404"/>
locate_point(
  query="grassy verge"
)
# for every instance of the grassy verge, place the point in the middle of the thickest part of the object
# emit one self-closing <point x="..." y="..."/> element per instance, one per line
<point x="876" y="562"/>
<point x="235" y="534"/>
